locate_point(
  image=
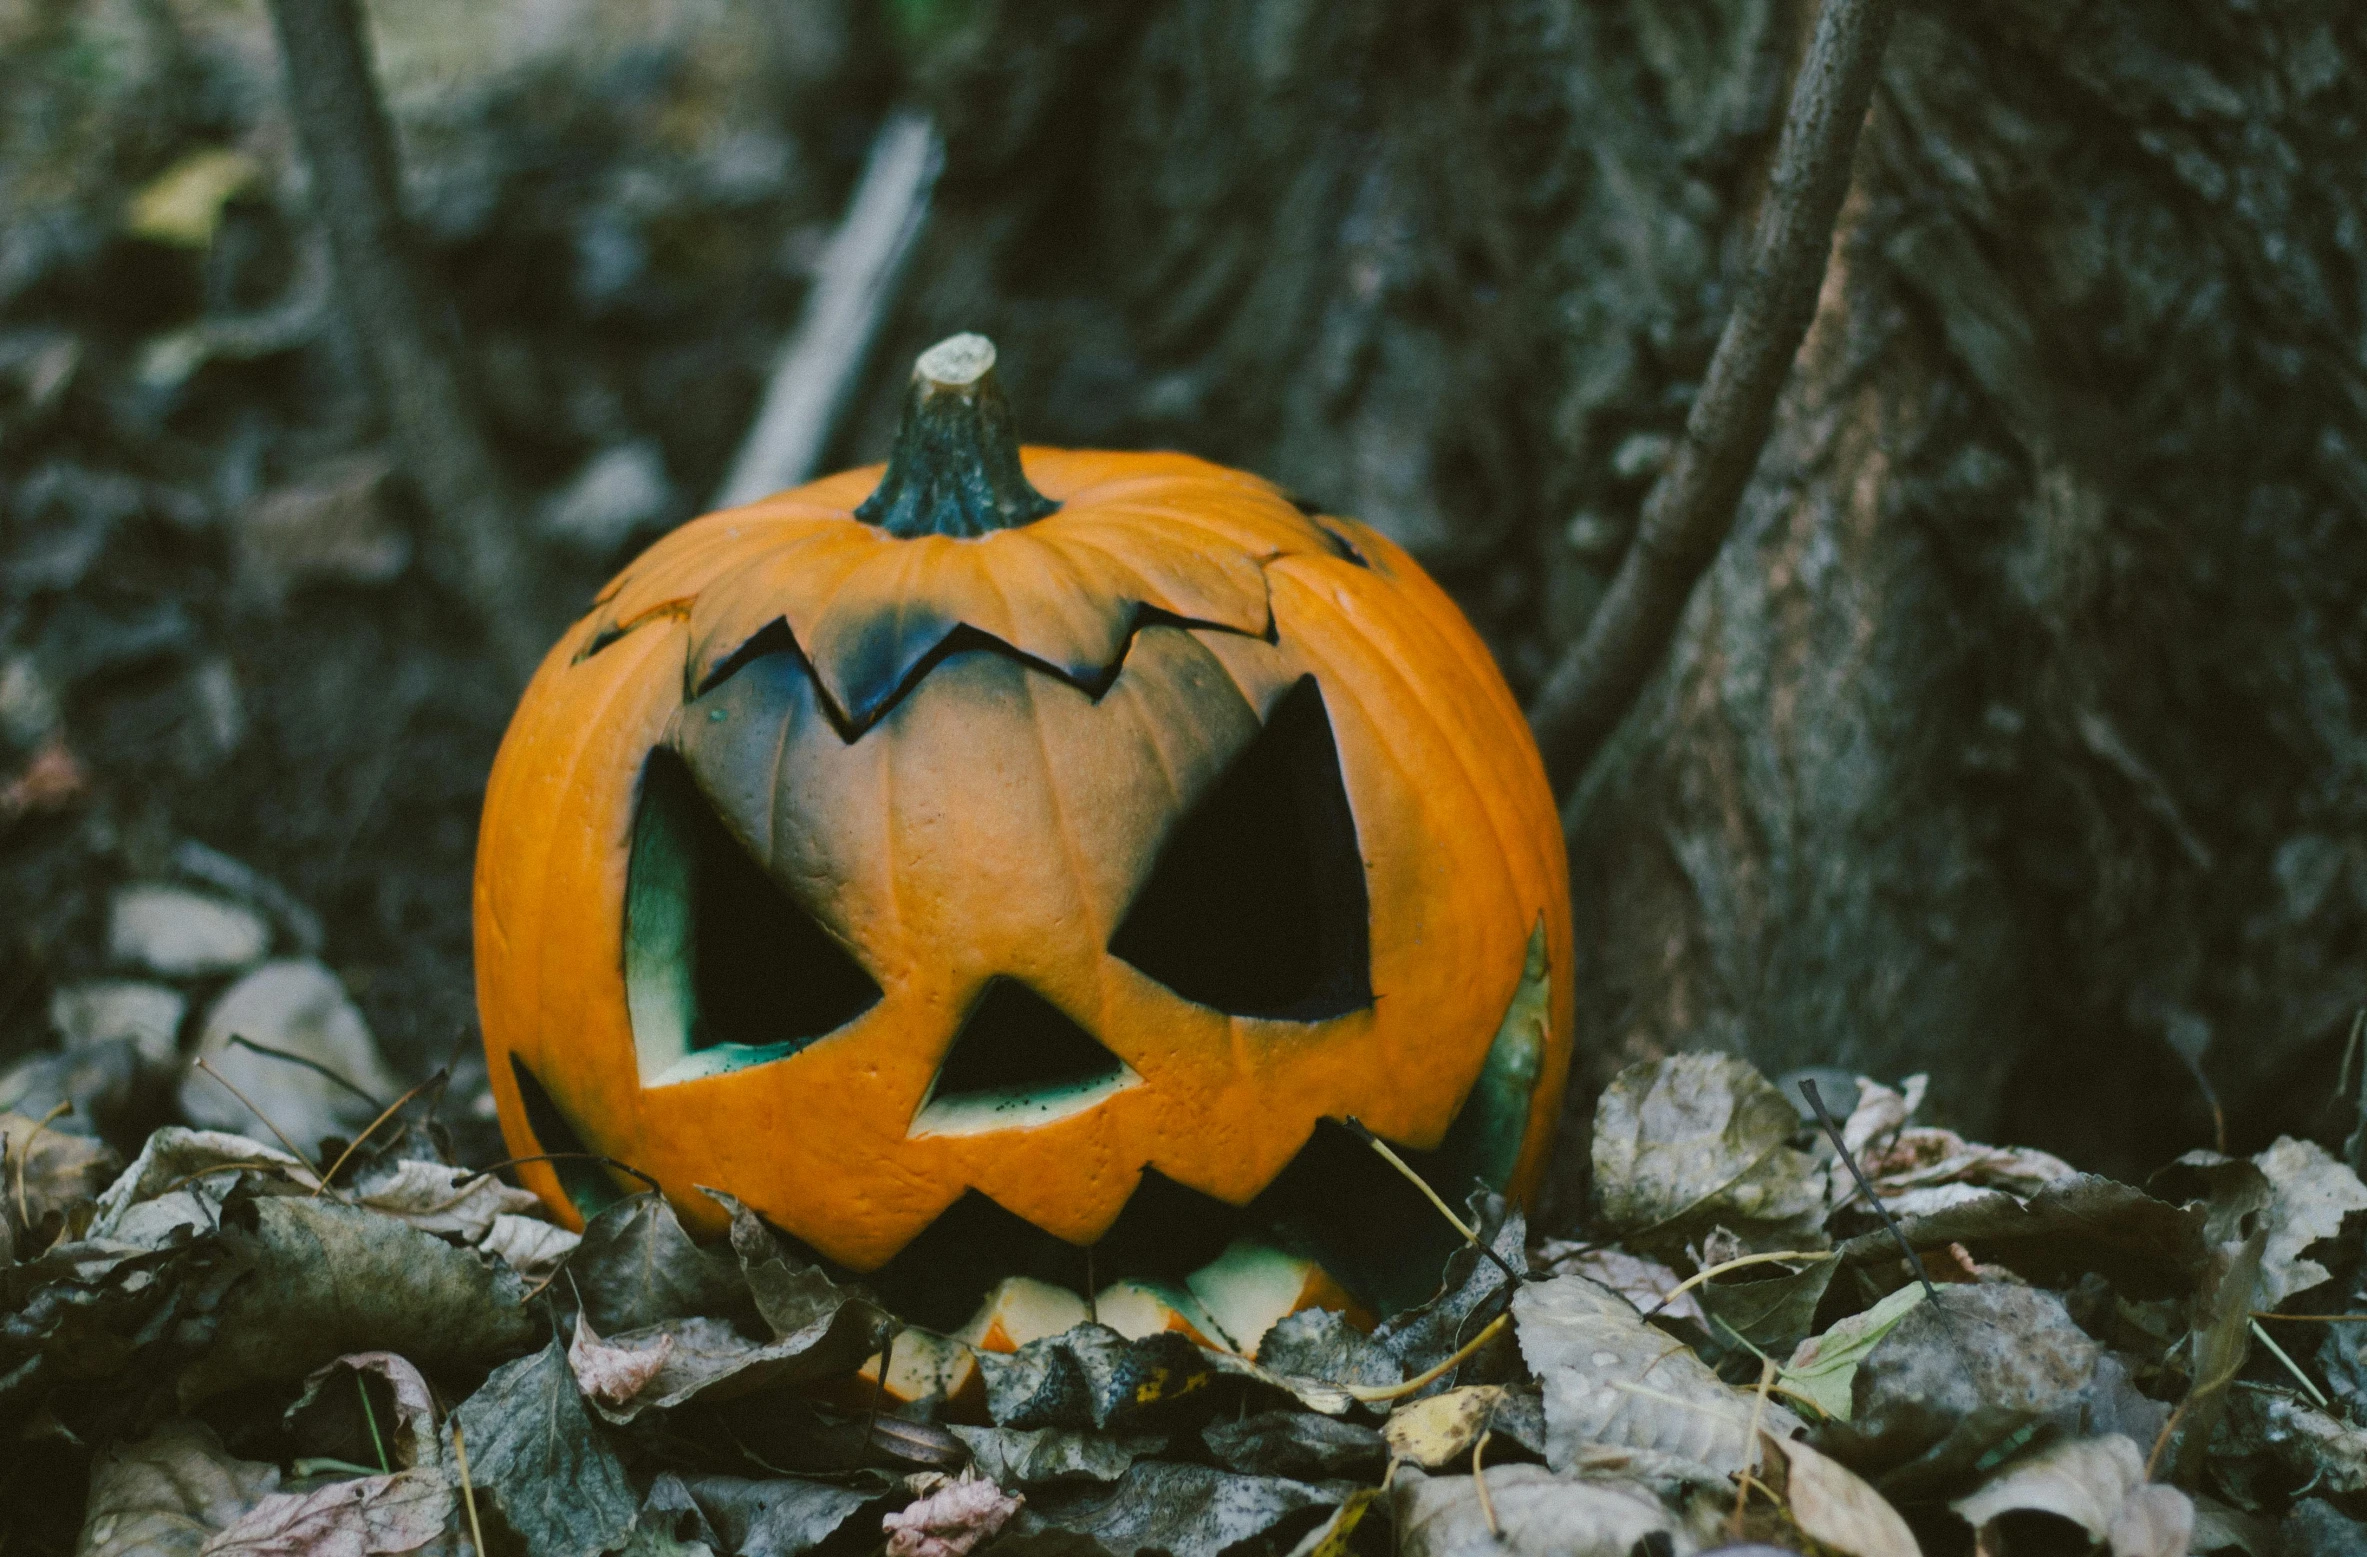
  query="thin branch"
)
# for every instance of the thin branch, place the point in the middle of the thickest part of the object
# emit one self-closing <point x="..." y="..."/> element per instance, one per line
<point x="1691" y="508"/>
<point x="289" y="1056"/>
<point x="341" y="123"/>
<point x="1832" y="1129"/>
<point x="854" y="283"/>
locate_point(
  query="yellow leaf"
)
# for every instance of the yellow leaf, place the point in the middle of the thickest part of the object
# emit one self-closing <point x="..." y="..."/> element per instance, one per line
<point x="1441" y="1430"/>
<point x="183" y="205"/>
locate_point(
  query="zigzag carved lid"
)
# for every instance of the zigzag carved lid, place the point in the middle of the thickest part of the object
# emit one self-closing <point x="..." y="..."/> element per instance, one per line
<point x="1156" y="536"/>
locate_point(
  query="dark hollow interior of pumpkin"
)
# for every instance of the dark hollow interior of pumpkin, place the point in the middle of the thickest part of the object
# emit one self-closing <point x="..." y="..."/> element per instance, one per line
<point x="1257" y="905"/>
<point x="1016" y="1041"/>
<point x="1337" y="1203"/>
<point x="762" y="973"/>
<point x="586" y="1183"/>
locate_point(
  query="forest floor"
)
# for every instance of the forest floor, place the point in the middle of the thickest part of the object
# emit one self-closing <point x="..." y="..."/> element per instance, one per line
<point x="243" y="738"/>
<point x="1891" y="1341"/>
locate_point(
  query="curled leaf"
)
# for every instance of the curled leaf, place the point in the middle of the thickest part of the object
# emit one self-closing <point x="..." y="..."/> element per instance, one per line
<point x="951" y="1521"/>
<point x="1695" y="1141"/>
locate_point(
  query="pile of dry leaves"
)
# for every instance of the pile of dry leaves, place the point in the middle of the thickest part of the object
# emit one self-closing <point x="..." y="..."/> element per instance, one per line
<point x="214" y="1352"/>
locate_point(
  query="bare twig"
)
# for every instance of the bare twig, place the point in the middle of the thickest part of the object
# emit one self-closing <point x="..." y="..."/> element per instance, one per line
<point x="1479" y="1480"/>
<point x="1832" y="1129"/>
<point x="854" y="283"/>
<point x="1711" y="1272"/>
<point x="1470" y="1235"/>
<point x="2292" y="1367"/>
<point x="341" y="123"/>
<point x="293" y="1149"/>
<point x="1375" y="1394"/>
<point x="384" y="1114"/>
<point x="1692" y="506"/>
<point x="24" y="1160"/>
<point x="289" y="1056"/>
<point x="468" y="1490"/>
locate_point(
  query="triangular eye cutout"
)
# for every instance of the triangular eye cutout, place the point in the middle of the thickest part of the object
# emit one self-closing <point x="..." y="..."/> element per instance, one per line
<point x="1257" y="904"/>
<point x="722" y="968"/>
<point x="1019" y="1060"/>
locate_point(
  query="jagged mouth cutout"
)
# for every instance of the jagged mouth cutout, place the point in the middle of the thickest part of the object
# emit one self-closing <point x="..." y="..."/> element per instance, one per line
<point x="1256" y="906"/>
<point x="1336" y="1202"/>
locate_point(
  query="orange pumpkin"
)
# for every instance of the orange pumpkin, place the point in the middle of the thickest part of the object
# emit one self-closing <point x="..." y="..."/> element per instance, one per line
<point x="1024" y="859"/>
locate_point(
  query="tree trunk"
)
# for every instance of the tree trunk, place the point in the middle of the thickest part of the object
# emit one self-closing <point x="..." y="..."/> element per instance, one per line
<point x="2017" y="735"/>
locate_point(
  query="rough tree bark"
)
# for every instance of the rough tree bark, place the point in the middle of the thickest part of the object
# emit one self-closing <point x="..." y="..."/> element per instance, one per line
<point x="2019" y="726"/>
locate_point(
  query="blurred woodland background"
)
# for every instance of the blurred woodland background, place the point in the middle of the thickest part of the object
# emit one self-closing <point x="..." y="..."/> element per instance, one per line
<point x="2018" y="734"/>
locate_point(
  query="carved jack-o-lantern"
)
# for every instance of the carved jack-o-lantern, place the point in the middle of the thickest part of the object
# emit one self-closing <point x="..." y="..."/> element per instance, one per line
<point x="1022" y="859"/>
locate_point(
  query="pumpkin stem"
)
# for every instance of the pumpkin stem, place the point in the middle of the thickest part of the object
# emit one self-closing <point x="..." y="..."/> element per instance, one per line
<point x="954" y="469"/>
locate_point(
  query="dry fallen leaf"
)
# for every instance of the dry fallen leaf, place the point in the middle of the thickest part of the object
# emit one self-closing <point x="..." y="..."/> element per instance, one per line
<point x="1644" y="1282"/>
<point x="330" y="1403"/>
<point x="2083" y="1480"/>
<point x="436" y="1197"/>
<point x="371" y="1516"/>
<point x="1441" y="1430"/>
<point x="613" y="1375"/>
<point x="544" y="1462"/>
<point x="1833" y="1504"/>
<point x="2156" y="1521"/>
<point x="1539" y="1514"/>
<point x="2313" y="1193"/>
<point x="168" y="1494"/>
<point x="1612" y="1380"/>
<point x="952" y="1521"/>
<point x="1696" y="1141"/>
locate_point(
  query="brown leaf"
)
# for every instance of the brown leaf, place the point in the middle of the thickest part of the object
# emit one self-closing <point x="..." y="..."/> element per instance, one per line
<point x="436" y="1197"/>
<point x="1613" y="1381"/>
<point x="2083" y="1480"/>
<point x="952" y="1521"/>
<point x="1645" y="1283"/>
<point x="62" y="1171"/>
<point x="1696" y="1141"/>
<point x="328" y="1279"/>
<point x="371" y="1516"/>
<point x="2313" y="1193"/>
<point x="1441" y="1430"/>
<point x="2071" y="1227"/>
<point x="332" y="1403"/>
<point x="1833" y="1504"/>
<point x="613" y="1375"/>
<point x="2156" y="1521"/>
<point x="1540" y="1515"/>
<point x="709" y="1357"/>
<point x="168" y="1494"/>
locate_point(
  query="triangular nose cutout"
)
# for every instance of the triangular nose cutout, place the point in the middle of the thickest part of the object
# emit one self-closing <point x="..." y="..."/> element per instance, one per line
<point x="1018" y="1061"/>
